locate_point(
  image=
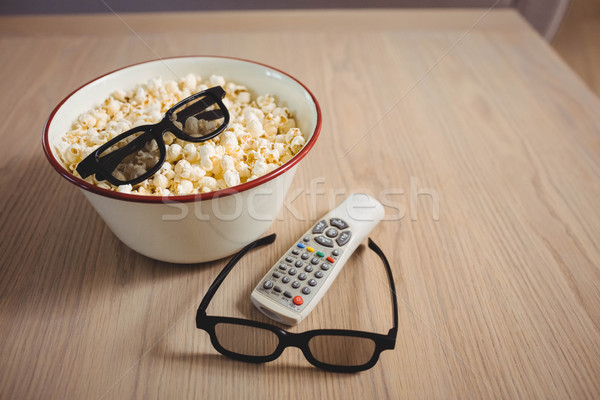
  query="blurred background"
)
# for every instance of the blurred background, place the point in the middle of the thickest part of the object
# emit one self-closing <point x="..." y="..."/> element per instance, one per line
<point x="571" y="26"/>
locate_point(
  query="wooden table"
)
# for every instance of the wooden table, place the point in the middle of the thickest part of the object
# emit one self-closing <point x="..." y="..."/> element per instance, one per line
<point x="466" y="110"/>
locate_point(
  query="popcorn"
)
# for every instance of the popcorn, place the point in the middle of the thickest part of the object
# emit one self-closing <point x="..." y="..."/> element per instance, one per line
<point x="73" y="153"/>
<point x="197" y="172"/>
<point x="231" y="178"/>
<point x="185" y="187"/>
<point x="227" y="163"/>
<point x="159" y="181"/>
<point x="244" y="98"/>
<point x="190" y="81"/>
<point x="87" y="120"/>
<point x="208" y="184"/>
<point x="173" y="152"/>
<point x="190" y="153"/>
<point x="229" y="141"/>
<point x="124" y="189"/>
<point x="216" y="80"/>
<point x="297" y="144"/>
<point x="260" y="168"/>
<point x="261" y="137"/>
<point x="183" y="168"/>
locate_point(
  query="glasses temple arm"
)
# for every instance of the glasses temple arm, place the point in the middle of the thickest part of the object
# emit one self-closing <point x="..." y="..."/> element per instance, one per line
<point x="373" y="246"/>
<point x="227" y="269"/>
<point x="216" y="91"/>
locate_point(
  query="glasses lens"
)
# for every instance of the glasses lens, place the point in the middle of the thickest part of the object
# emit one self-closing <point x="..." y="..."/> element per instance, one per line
<point x="131" y="157"/>
<point x="199" y="117"/>
<point x="342" y="350"/>
<point x="246" y="340"/>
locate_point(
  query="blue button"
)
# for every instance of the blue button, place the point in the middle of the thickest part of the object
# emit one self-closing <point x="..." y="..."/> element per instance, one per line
<point x="301" y="245"/>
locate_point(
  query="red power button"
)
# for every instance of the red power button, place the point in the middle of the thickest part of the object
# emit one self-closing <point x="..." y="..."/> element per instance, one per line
<point x="298" y="300"/>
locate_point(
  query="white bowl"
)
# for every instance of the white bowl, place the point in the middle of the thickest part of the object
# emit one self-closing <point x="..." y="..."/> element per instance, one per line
<point x="201" y="227"/>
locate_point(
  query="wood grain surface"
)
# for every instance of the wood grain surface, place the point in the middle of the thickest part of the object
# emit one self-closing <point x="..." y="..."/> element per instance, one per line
<point x="482" y="143"/>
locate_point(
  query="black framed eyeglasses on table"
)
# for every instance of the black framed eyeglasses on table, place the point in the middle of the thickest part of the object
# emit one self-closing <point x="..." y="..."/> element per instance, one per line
<point x="336" y="350"/>
<point x="137" y="154"/>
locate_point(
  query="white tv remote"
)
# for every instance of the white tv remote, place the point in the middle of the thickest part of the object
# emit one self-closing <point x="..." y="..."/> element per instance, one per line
<point x="298" y="281"/>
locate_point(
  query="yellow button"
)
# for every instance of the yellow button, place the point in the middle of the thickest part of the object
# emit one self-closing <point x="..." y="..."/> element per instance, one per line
<point x="310" y="249"/>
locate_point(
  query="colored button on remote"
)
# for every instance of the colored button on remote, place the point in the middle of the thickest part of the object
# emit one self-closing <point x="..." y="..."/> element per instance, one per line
<point x="320" y="254"/>
<point x="310" y="249"/>
<point x="298" y="300"/>
<point x="301" y="245"/>
<point x="330" y="259"/>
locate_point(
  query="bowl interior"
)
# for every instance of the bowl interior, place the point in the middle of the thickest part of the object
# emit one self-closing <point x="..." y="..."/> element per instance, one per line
<point x="259" y="79"/>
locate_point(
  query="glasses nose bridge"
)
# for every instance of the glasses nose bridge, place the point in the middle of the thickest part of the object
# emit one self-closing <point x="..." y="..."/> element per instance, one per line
<point x="290" y="339"/>
<point x="162" y="127"/>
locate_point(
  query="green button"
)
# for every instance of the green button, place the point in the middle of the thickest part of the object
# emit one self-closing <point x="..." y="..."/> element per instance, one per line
<point x="320" y="254"/>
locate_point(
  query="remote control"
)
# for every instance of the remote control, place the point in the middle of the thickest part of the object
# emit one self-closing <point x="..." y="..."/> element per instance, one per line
<point x="296" y="283"/>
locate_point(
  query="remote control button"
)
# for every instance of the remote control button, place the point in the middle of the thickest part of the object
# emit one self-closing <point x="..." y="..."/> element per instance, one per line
<point x="292" y="271"/>
<point x="314" y="261"/>
<point x="312" y="282"/>
<point x="295" y="252"/>
<point x="301" y="245"/>
<point x="320" y="254"/>
<point x="335" y="253"/>
<point x="331" y="260"/>
<point x="285" y="279"/>
<point x="288" y="259"/>
<point x="308" y="268"/>
<point x="299" y="264"/>
<point x="306" y="290"/>
<point x="310" y="249"/>
<point x="320" y="226"/>
<point x="331" y="232"/>
<point x="324" y="267"/>
<point x="295" y="284"/>
<point x="319" y="274"/>
<point x="298" y="300"/>
<point x="268" y="285"/>
<point x="338" y="223"/>
<point x="323" y="241"/>
<point x="343" y="239"/>
<point x="302" y="276"/>
<point x="306" y="238"/>
<point x="287" y="294"/>
<point x="277" y="289"/>
<point x="276" y="275"/>
<point x="282" y="267"/>
<point x="304" y="256"/>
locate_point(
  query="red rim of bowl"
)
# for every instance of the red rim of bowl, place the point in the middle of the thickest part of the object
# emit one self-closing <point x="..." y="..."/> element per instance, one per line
<point x="185" y="198"/>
